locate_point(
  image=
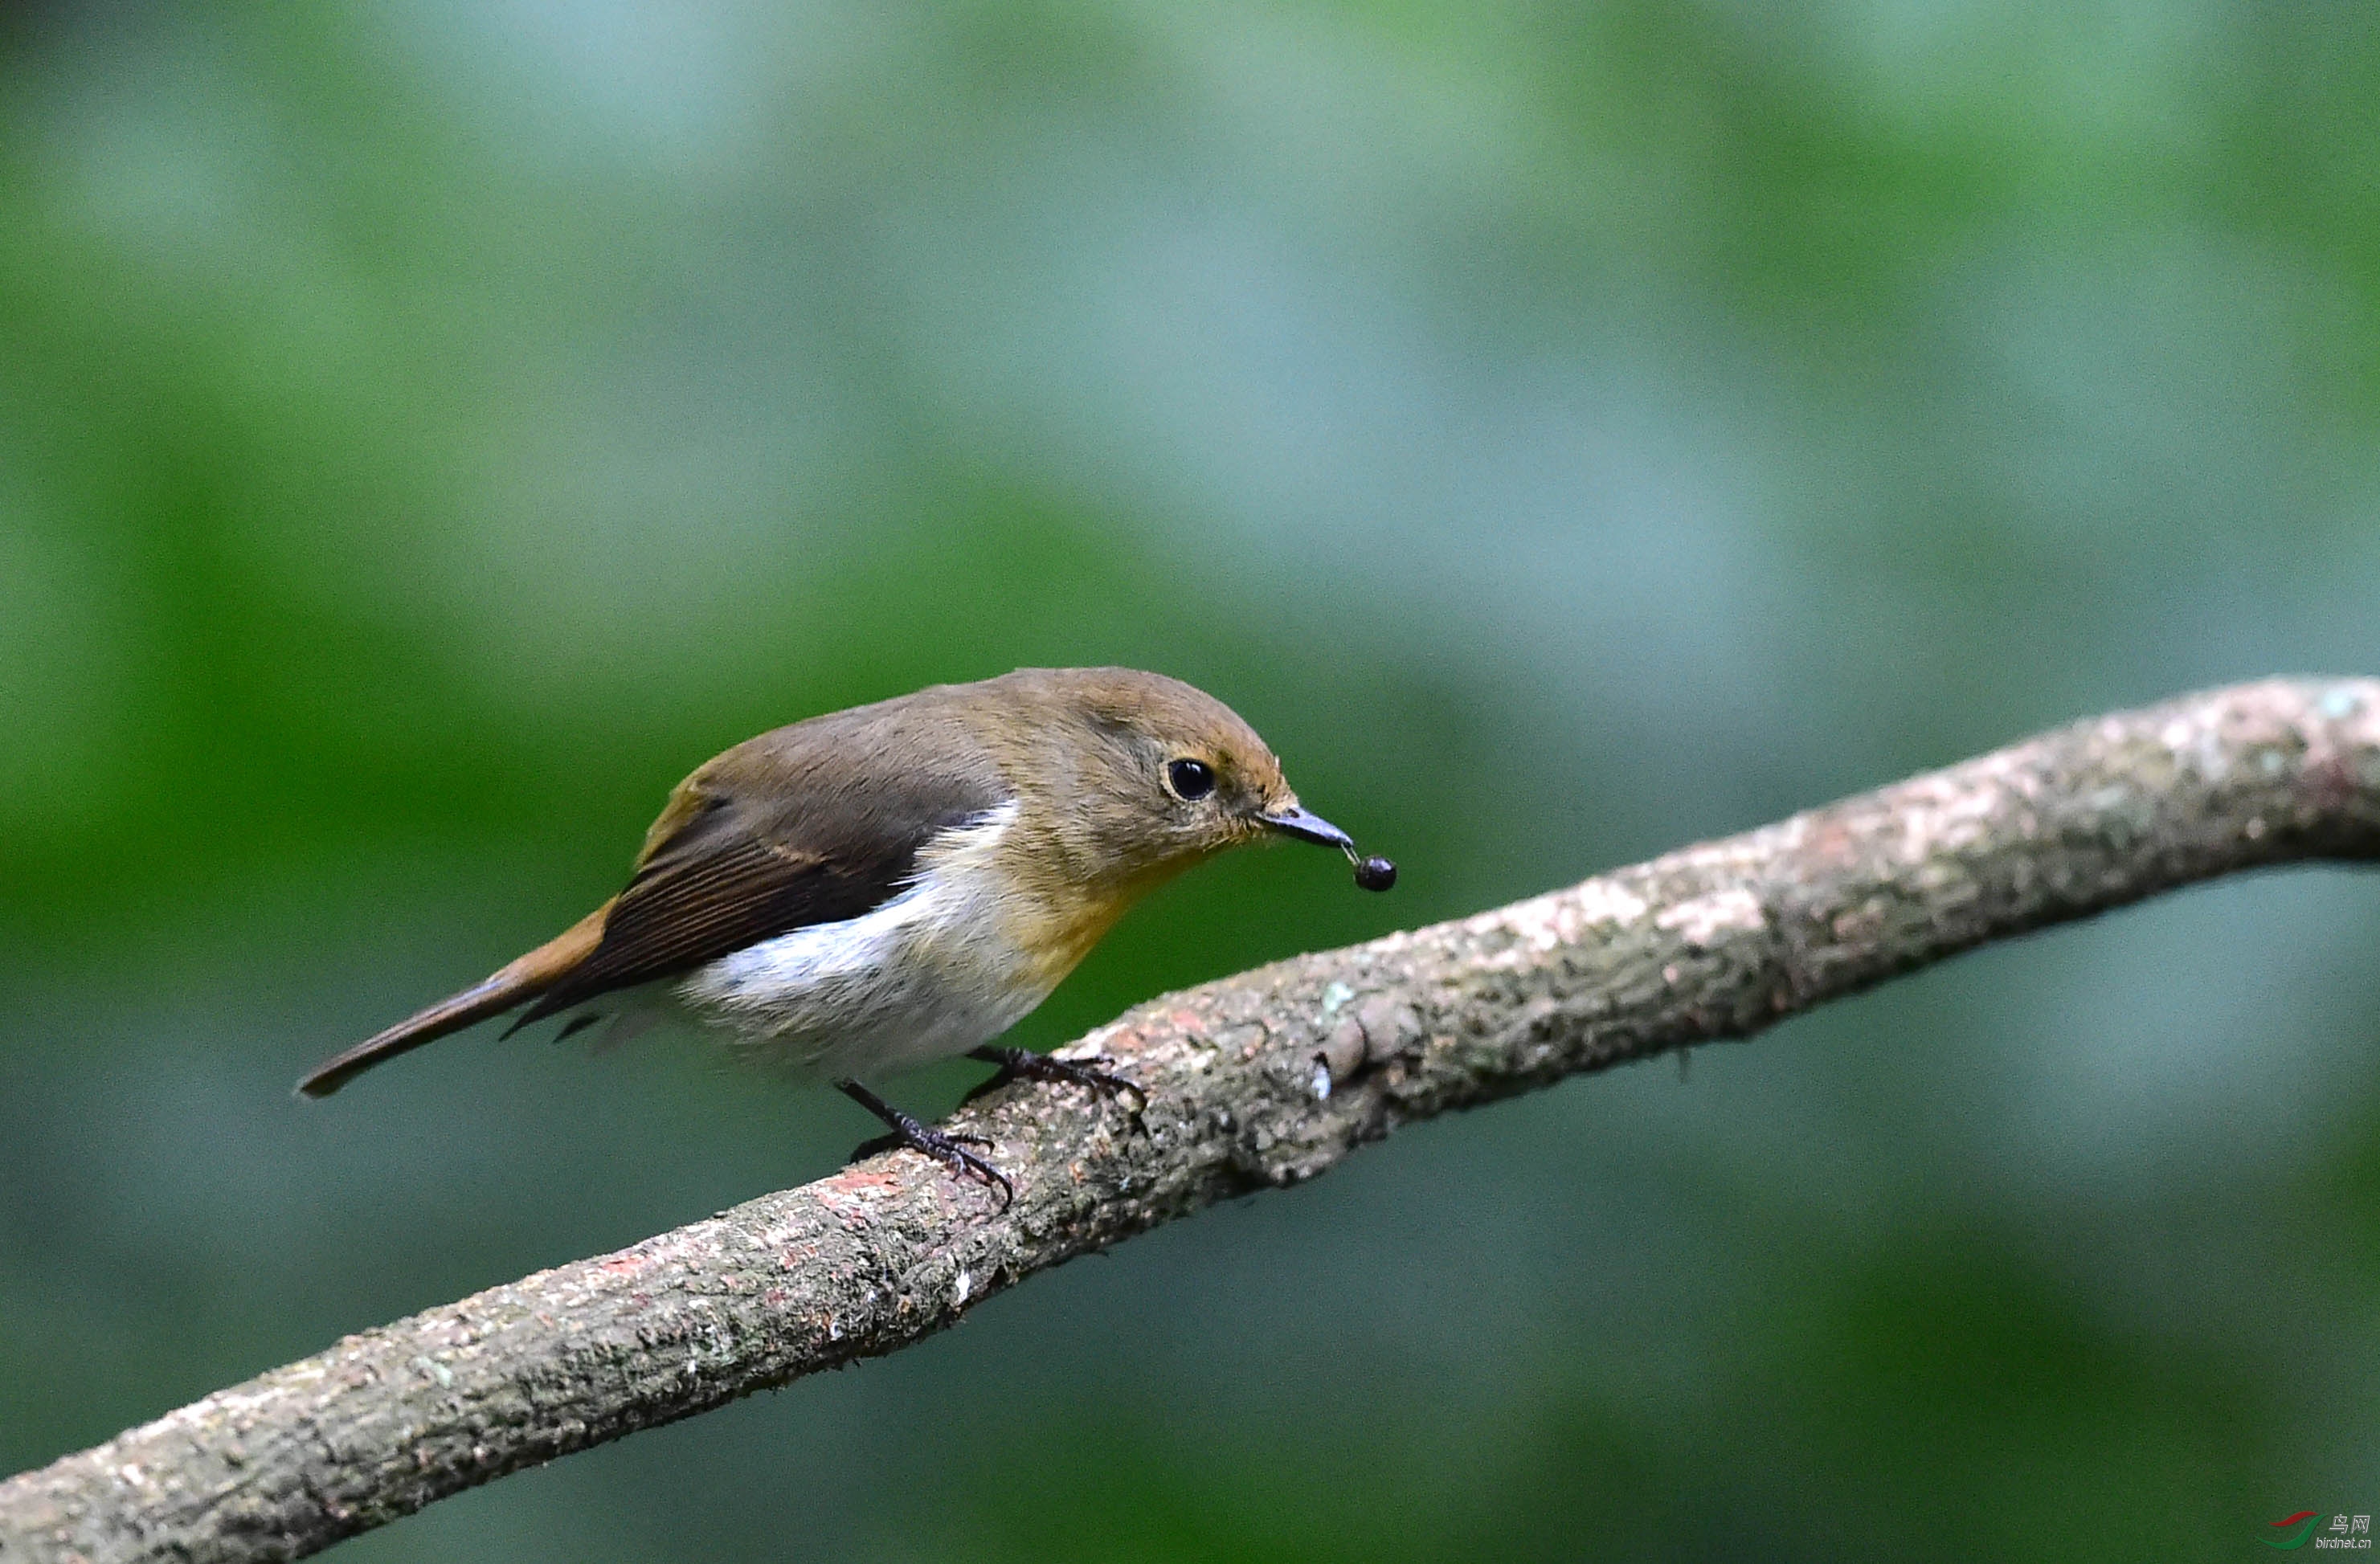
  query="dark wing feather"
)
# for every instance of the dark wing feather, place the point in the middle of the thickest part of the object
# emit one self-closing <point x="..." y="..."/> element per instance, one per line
<point x="812" y="823"/>
<point x="733" y="874"/>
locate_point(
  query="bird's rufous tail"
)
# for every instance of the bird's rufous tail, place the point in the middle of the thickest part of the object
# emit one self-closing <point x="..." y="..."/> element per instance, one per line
<point x="516" y="981"/>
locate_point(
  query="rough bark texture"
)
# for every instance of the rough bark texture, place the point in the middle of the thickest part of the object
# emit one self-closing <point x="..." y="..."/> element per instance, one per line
<point x="1264" y="1079"/>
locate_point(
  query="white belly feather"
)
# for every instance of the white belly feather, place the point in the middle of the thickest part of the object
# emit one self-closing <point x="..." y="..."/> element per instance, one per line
<point x="928" y="975"/>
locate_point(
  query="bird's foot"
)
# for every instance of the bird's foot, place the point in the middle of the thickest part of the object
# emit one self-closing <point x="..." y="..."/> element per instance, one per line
<point x="1092" y="1073"/>
<point x="948" y="1148"/>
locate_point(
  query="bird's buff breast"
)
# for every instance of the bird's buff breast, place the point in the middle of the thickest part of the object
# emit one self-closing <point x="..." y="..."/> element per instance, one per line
<point x="955" y="959"/>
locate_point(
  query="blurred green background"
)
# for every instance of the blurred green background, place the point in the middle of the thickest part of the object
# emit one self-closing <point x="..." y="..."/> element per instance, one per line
<point x="428" y="429"/>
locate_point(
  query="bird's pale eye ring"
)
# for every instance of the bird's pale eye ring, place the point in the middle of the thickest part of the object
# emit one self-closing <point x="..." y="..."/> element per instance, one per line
<point x="1190" y="780"/>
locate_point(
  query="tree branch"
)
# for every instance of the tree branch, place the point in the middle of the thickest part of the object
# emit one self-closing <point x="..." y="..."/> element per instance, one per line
<point x="1264" y="1079"/>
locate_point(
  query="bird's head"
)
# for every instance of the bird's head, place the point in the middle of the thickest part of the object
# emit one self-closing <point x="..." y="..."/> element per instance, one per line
<point x="1138" y="776"/>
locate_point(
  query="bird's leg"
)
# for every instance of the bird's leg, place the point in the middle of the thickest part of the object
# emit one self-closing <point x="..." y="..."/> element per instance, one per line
<point x="942" y="1146"/>
<point x="1024" y="1063"/>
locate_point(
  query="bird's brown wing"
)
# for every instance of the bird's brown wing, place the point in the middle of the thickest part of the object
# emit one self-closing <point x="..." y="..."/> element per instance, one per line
<point x="756" y="845"/>
<point x="725" y="879"/>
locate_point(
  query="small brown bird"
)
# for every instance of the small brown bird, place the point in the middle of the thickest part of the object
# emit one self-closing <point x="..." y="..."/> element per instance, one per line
<point x="869" y="890"/>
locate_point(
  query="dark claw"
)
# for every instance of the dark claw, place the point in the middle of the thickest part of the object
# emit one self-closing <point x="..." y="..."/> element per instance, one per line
<point x="951" y="1150"/>
<point x="1024" y="1063"/>
<point x="944" y="1146"/>
<point x="924" y="1140"/>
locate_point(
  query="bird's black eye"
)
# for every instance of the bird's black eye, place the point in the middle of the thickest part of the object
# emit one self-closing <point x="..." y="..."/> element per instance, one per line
<point x="1190" y="780"/>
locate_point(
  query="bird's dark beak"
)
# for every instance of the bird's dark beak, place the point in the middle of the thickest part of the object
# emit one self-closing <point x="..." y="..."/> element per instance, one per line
<point x="1307" y="826"/>
<point x="1372" y="874"/>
